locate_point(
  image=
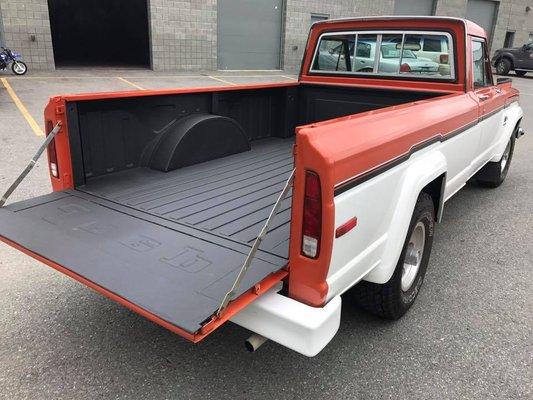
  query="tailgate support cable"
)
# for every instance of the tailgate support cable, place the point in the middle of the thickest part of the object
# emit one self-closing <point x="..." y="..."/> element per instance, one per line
<point x="229" y="295"/>
<point x="30" y="166"/>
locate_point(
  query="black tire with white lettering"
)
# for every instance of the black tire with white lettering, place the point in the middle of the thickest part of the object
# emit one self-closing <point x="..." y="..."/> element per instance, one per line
<point x="493" y="174"/>
<point x="391" y="300"/>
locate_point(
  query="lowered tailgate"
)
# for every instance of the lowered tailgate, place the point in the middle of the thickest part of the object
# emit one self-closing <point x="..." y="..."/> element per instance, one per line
<point x="169" y="272"/>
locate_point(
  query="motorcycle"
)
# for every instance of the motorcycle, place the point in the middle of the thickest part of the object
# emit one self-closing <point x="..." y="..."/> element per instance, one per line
<point x="10" y="57"/>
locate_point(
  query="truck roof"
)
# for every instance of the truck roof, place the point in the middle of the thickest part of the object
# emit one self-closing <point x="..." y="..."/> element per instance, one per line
<point x="471" y="28"/>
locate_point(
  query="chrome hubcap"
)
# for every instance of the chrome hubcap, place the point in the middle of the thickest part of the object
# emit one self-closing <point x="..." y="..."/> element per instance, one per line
<point x="413" y="256"/>
<point x="505" y="157"/>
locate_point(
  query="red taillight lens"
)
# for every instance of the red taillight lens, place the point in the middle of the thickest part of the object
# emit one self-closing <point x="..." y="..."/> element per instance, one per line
<point x="52" y="153"/>
<point x="312" y="218"/>
<point x="405" y="68"/>
<point x="443" y="58"/>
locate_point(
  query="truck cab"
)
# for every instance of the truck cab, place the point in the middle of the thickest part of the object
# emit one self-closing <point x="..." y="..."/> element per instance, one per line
<point x="263" y="204"/>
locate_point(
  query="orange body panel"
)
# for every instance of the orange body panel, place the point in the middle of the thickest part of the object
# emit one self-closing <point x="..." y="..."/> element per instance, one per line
<point x="346" y="149"/>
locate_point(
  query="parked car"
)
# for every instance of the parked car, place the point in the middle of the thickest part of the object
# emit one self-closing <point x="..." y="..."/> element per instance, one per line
<point x="517" y="59"/>
<point x="262" y="204"/>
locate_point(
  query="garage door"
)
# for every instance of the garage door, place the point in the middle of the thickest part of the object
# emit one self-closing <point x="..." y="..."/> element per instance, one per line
<point x="414" y="7"/>
<point x="100" y="32"/>
<point x="249" y="34"/>
<point x="483" y="13"/>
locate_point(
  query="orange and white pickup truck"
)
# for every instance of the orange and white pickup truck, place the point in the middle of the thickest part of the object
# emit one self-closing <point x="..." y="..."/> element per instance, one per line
<point x="262" y="204"/>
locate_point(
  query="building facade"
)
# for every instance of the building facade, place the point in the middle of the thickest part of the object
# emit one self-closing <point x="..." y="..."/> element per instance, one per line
<point x="184" y="35"/>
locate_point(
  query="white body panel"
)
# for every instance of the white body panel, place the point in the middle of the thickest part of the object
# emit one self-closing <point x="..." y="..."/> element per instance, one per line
<point x="290" y="323"/>
<point x="384" y="204"/>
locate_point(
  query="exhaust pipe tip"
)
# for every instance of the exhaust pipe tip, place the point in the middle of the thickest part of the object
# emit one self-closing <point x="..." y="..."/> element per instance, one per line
<point x="254" y="342"/>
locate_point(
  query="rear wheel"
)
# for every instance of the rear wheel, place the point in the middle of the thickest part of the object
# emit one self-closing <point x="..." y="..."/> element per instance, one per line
<point x="19" y="68"/>
<point x="520" y="73"/>
<point x="391" y="300"/>
<point x="503" y="66"/>
<point x="493" y="173"/>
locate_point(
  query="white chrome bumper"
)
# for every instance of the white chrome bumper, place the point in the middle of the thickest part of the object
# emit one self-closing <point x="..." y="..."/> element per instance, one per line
<point x="290" y="323"/>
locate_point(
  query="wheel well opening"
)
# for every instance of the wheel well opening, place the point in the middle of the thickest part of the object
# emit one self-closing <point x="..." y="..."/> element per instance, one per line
<point x="435" y="189"/>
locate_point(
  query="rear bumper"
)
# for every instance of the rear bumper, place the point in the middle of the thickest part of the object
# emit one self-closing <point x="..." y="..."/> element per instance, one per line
<point x="299" y="327"/>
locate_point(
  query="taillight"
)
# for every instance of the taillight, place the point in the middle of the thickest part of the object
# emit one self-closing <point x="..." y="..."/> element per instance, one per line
<point x="405" y="68"/>
<point x="443" y="58"/>
<point x="52" y="153"/>
<point x="312" y="217"/>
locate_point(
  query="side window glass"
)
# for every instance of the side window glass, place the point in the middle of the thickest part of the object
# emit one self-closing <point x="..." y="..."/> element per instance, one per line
<point x="480" y="75"/>
<point x="334" y="53"/>
<point x="365" y="53"/>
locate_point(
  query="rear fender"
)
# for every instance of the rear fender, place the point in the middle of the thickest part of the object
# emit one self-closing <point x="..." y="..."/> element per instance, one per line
<point x="423" y="170"/>
<point x="514" y="114"/>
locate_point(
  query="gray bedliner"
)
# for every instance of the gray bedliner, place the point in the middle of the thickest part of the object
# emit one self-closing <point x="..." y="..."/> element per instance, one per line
<point x="229" y="197"/>
<point x="171" y="243"/>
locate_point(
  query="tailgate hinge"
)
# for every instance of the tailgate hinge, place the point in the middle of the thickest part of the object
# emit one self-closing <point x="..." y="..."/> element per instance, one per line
<point x="30" y="166"/>
<point x="229" y="295"/>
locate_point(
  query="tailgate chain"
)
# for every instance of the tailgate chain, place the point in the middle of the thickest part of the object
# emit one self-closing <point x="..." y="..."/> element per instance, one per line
<point x="229" y="295"/>
<point x="30" y="166"/>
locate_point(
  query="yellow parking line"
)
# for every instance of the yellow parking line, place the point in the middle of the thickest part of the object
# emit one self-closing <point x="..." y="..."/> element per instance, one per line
<point x="222" y="80"/>
<point x="22" y="108"/>
<point x="130" y="83"/>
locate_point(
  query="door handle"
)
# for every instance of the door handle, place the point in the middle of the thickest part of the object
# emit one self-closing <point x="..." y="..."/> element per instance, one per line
<point x="483" y="97"/>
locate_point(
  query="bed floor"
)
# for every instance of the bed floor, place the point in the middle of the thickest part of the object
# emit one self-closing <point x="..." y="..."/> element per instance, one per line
<point x="229" y="197"/>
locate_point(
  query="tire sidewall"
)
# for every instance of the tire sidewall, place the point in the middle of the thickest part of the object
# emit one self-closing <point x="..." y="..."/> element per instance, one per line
<point x="407" y="298"/>
<point x="503" y="173"/>
<point x="506" y="66"/>
<point x="17" y="73"/>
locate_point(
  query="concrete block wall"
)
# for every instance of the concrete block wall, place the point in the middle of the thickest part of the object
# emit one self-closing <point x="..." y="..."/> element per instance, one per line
<point x="20" y="20"/>
<point x="183" y="34"/>
<point x="512" y="16"/>
<point x="298" y="21"/>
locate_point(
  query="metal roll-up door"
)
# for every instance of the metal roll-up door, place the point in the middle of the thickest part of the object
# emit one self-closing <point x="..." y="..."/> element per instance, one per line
<point x="483" y="13"/>
<point x="414" y="7"/>
<point x="249" y="34"/>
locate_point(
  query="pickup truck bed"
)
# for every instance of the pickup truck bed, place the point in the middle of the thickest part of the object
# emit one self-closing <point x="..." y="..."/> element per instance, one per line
<point x="229" y="197"/>
<point x="171" y="243"/>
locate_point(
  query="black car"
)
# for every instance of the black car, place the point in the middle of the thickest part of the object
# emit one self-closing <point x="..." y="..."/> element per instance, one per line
<point x="519" y="59"/>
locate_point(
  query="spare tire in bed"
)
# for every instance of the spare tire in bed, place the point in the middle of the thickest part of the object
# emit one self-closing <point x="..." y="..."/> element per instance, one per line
<point x="198" y="138"/>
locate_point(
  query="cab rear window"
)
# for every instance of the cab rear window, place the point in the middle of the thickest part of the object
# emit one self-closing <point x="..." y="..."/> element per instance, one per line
<point x="418" y="55"/>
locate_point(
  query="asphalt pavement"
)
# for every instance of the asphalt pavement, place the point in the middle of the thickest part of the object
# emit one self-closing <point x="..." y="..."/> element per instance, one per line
<point x="469" y="335"/>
